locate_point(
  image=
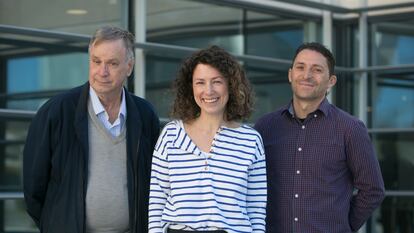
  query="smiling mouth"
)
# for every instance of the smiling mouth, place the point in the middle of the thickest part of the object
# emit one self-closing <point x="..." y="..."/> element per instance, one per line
<point x="211" y="100"/>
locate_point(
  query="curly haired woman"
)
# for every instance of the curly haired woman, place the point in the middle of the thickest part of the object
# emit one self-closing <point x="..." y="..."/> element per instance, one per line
<point x="208" y="169"/>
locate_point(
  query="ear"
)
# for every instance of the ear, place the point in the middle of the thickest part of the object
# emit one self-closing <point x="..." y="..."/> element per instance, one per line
<point x="332" y="81"/>
<point x="289" y="75"/>
<point x="131" y="64"/>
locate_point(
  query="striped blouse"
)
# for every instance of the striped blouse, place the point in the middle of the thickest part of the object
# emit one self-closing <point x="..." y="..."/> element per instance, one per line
<point x="222" y="189"/>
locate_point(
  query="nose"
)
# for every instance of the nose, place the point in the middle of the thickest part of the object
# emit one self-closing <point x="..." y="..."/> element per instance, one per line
<point x="307" y="74"/>
<point x="103" y="69"/>
<point x="209" y="88"/>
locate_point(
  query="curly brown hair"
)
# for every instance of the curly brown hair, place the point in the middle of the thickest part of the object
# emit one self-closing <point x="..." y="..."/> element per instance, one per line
<point x="240" y="103"/>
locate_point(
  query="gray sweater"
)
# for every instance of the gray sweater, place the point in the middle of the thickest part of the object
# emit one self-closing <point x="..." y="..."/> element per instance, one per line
<point x="107" y="194"/>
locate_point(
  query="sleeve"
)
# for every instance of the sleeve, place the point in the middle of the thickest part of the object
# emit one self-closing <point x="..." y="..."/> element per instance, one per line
<point x="37" y="154"/>
<point x="160" y="185"/>
<point x="257" y="189"/>
<point x="367" y="178"/>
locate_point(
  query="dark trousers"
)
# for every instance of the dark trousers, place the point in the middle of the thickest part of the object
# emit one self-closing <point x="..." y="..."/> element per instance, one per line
<point x="184" y="231"/>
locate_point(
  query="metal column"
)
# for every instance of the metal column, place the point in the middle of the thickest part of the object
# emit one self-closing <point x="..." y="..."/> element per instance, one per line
<point x="327" y="38"/>
<point x="362" y="81"/>
<point x="140" y="37"/>
<point x="363" y="62"/>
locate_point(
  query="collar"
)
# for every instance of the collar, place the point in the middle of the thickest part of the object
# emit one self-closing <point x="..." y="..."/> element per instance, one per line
<point x="98" y="108"/>
<point x="183" y="141"/>
<point x="323" y="107"/>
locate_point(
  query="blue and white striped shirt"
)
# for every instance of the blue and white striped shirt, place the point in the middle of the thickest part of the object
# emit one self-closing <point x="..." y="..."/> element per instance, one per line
<point x="223" y="189"/>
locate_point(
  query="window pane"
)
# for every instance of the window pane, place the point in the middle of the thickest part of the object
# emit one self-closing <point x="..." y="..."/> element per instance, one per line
<point x="11" y="154"/>
<point x="32" y="80"/>
<point x="277" y="36"/>
<point x="393" y="100"/>
<point x="15" y="217"/>
<point x="395" y="154"/>
<point x="160" y="73"/>
<point x="396" y="215"/>
<point x="393" y="42"/>
<point x="194" y="24"/>
<point x="271" y="87"/>
<point x="47" y="72"/>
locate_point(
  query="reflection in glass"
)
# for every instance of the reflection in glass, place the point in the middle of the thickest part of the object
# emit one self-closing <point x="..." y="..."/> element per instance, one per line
<point x="395" y="154"/>
<point x="194" y="24"/>
<point x="15" y="217"/>
<point x="271" y="86"/>
<point x="198" y="25"/>
<point x="397" y="215"/>
<point x="161" y="72"/>
<point x="11" y="148"/>
<point x="396" y="159"/>
<point x="393" y="100"/>
<point x="47" y="72"/>
<point x="393" y="42"/>
<point x="277" y="36"/>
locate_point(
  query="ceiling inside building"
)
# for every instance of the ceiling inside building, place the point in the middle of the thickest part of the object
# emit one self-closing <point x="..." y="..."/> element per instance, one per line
<point x="75" y="16"/>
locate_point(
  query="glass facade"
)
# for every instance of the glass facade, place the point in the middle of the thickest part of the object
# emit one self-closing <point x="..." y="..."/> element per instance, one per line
<point x="194" y="24"/>
<point x="392" y="108"/>
<point x="40" y="74"/>
<point x="40" y="57"/>
<point x="392" y="91"/>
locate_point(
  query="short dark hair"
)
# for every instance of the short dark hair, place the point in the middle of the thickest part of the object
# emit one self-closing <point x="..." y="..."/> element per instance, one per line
<point x="317" y="47"/>
<point x="109" y="33"/>
<point x="240" y="103"/>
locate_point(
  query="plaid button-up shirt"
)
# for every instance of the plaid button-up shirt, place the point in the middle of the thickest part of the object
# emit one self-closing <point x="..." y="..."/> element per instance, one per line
<point x="314" y="168"/>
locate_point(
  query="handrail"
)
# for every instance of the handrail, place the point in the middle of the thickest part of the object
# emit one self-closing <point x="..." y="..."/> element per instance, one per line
<point x="158" y="47"/>
<point x="16" y="114"/>
<point x="391" y="130"/>
<point x="11" y="195"/>
<point x="388" y="193"/>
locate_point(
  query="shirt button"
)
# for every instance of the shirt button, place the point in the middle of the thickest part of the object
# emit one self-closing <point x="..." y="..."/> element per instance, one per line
<point x="315" y="115"/>
<point x="296" y="219"/>
<point x="303" y="127"/>
<point x="206" y="168"/>
<point x="298" y="172"/>
<point x="300" y="149"/>
<point x="296" y="195"/>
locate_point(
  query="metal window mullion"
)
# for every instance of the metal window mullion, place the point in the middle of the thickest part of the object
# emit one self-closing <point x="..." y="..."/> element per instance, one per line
<point x="327" y="38"/>
<point x="140" y="37"/>
<point x="363" y="63"/>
